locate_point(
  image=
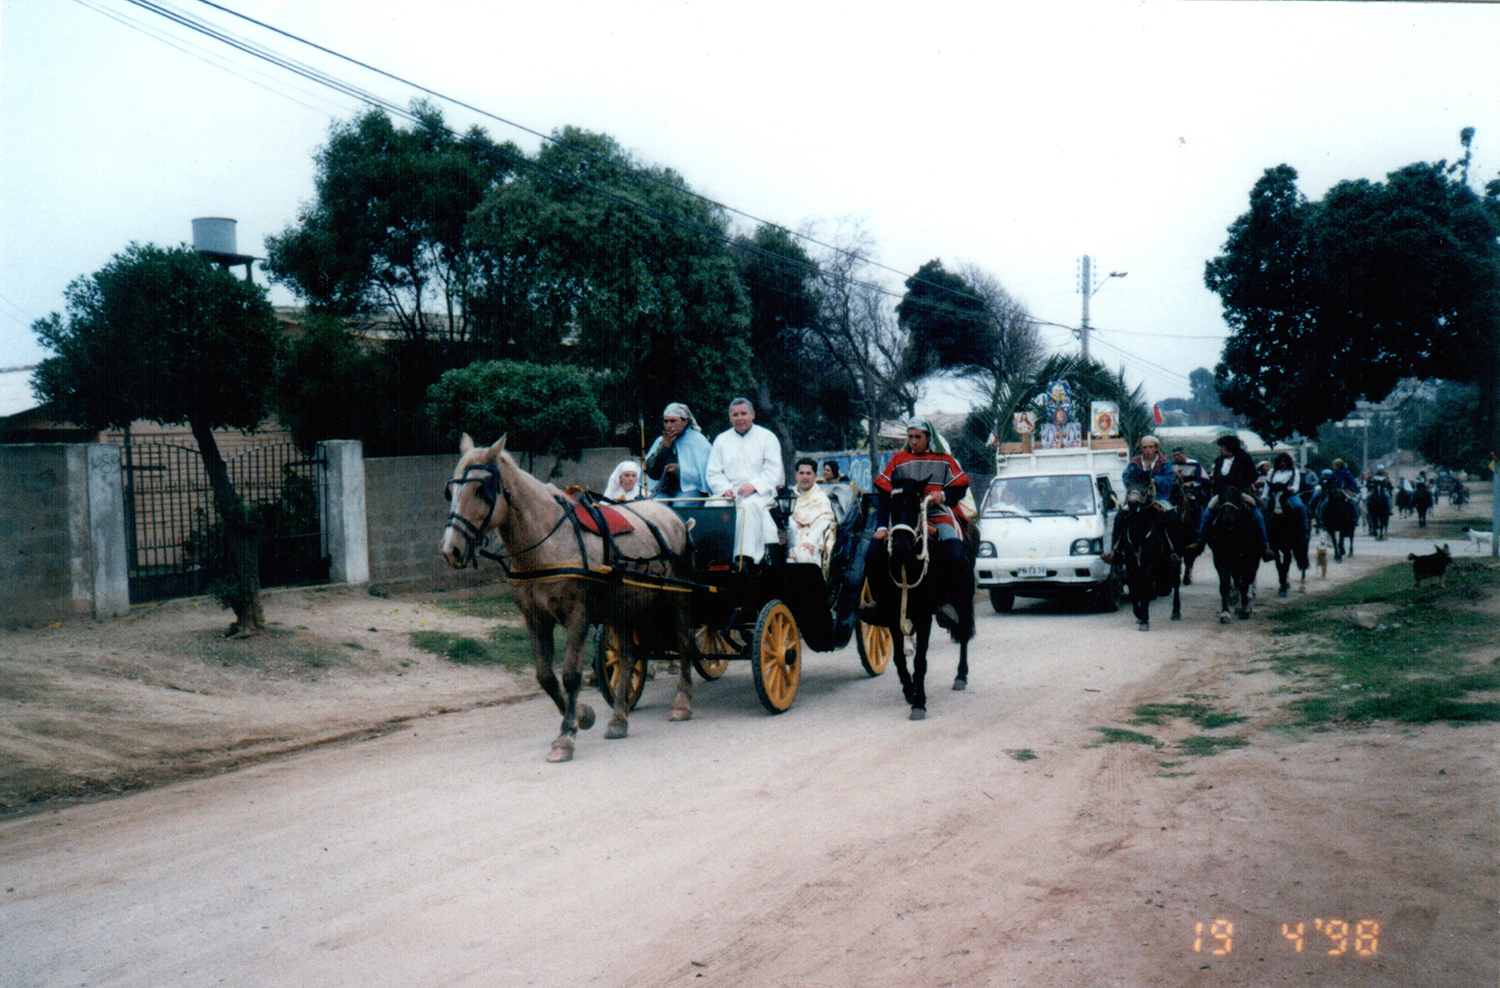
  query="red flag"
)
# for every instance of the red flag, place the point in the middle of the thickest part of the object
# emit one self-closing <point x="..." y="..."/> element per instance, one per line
<point x="1156" y="413"/>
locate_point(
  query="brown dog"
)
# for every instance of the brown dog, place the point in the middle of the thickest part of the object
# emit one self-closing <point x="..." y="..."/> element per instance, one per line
<point x="1322" y="560"/>
<point x="1432" y="566"/>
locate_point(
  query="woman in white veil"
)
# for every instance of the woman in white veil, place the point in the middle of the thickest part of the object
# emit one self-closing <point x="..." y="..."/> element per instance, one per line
<point x="625" y="483"/>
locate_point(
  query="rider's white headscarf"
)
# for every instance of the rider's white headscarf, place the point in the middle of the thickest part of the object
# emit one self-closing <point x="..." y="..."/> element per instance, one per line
<point x="615" y="492"/>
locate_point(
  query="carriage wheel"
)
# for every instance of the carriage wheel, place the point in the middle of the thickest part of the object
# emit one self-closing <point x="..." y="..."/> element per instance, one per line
<point x="712" y="643"/>
<point x="608" y="658"/>
<point x="777" y="659"/>
<point x="874" y="641"/>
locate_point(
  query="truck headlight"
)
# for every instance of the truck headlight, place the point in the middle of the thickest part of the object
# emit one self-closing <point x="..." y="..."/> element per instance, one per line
<point x="986" y="550"/>
<point x="1083" y="547"/>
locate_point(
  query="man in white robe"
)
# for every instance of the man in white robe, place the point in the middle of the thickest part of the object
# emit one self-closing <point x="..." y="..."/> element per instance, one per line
<point x="745" y="467"/>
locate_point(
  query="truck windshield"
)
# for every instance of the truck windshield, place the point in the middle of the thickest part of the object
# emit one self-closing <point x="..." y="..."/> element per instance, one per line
<point x="1046" y="495"/>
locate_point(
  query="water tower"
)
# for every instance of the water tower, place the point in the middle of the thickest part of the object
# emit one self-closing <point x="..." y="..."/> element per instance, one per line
<point x="214" y="238"/>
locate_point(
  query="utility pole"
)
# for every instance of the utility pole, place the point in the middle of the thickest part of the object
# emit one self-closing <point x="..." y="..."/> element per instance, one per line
<point x="1087" y="288"/>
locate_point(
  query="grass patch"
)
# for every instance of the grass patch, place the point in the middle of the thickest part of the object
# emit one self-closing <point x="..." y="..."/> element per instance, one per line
<point x="1413" y="667"/>
<point x="1118" y="735"/>
<point x="1201" y="714"/>
<point x="508" y="647"/>
<point x="1021" y="754"/>
<point x="1204" y="745"/>
<point x="496" y="606"/>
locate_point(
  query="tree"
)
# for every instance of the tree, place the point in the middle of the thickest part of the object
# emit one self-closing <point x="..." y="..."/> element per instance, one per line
<point x="163" y="335"/>
<point x="1444" y="425"/>
<point x="544" y="409"/>
<point x="1332" y="301"/>
<point x="857" y="340"/>
<point x="386" y="234"/>
<point x="946" y="322"/>
<point x="1089" y="380"/>
<point x="617" y="267"/>
<point x="1013" y="351"/>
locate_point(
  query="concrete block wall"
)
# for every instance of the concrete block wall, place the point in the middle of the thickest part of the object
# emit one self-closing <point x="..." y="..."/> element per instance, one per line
<point x="406" y="510"/>
<point x="62" y="533"/>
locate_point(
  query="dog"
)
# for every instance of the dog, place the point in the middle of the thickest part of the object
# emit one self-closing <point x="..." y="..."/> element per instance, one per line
<point x="1482" y="540"/>
<point x="1433" y="566"/>
<point x="1322" y="560"/>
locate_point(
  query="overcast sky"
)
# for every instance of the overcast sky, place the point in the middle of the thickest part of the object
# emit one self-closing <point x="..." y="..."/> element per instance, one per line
<point x="1012" y="136"/>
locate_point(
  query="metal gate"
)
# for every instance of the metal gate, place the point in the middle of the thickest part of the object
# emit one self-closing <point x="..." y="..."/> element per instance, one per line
<point x="176" y="540"/>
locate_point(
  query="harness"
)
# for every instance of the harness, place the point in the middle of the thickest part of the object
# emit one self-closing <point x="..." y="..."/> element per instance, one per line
<point x="616" y="566"/>
<point x="919" y="534"/>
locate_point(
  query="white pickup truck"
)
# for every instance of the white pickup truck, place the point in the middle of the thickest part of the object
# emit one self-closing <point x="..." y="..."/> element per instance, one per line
<point x="1045" y="522"/>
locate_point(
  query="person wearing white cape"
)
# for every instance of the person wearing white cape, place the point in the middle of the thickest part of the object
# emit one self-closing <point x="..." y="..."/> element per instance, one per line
<point x="744" y="467"/>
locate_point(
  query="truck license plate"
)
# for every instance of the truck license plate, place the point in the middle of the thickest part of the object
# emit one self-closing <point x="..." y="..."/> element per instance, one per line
<point x="1031" y="572"/>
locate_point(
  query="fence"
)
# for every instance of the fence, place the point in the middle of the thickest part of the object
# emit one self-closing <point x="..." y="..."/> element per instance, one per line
<point x="175" y="539"/>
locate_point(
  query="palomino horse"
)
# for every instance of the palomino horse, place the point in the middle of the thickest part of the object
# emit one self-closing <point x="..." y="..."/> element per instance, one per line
<point x="1340" y="519"/>
<point x="1149" y="539"/>
<point x="1235" y="543"/>
<point x="563" y="573"/>
<point x="909" y="580"/>
<point x="1287" y="535"/>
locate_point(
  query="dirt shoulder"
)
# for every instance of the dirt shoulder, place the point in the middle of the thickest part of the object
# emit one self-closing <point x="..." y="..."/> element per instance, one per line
<point x="89" y="709"/>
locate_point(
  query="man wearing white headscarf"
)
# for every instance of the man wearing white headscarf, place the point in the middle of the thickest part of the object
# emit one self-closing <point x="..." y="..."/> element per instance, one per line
<point x="624" y="483"/>
<point x="677" y="463"/>
<point x="745" y="467"/>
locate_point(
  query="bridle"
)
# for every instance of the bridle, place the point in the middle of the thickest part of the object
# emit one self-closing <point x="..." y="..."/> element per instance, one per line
<point x="491" y="488"/>
<point x="919" y="535"/>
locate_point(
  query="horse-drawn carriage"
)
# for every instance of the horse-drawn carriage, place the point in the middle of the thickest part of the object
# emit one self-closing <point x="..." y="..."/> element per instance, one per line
<point x="766" y="615"/>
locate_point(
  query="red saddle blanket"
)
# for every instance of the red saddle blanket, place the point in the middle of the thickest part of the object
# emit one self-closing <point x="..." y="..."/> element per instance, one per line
<point x="618" y="523"/>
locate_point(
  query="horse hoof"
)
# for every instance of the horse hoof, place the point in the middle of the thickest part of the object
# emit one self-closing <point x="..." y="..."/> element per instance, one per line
<point x="1281" y="592"/>
<point x="562" y="750"/>
<point x="918" y="713"/>
<point x="585" y="716"/>
<point x="1224" y="618"/>
<point x="1244" y="615"/>
<point x="1143" y="626"/>
<point x="616" y="730"/>
<point x="680" y="713"/>
<point x="960" y="685"/>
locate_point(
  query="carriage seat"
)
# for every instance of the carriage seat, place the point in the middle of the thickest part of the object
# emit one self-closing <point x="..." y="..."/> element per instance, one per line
<point x="844" y="499"/>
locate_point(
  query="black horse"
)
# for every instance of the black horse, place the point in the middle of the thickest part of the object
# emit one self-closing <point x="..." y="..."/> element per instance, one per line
<point x="1149" y="540"/>
<point x="1287" y="535"/>
<point x="1404" y="502"/>
<point x="1235" y="541"/>
<point x="1422" y="501"/>
<point x="913" y="579"/>
<point x="1188" y="503"/>
<point x="1378" y="511"/>
<point x="1340" y="519"/>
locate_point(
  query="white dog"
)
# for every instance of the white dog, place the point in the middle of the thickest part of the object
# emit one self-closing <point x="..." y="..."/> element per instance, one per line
<point x="1482" y="540"/>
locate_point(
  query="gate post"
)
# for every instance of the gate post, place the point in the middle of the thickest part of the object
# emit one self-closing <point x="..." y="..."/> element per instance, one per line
<point x="109" y="569"/>
<point x="344" y="518"/>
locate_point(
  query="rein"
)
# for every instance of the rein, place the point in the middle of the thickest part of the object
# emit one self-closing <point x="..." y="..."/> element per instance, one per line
<point x="492" y="487"/>
<point x="919" y="535"/>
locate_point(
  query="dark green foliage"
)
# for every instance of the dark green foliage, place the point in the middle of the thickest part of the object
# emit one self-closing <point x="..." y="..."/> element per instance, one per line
<point x="1199" y="713"/>
<point x="387" y="233"/>
<point x="163" y="335"/>
<point x="543" y="409"/>
<point x="1118" y="735"/>
<point x="1340" y="299"/>
<point x="947" y="323"/>
<point x="617" y="267"/>
<point x="1204" y="745"/>
<point x="508" y="646"/>
<point x="1447" y="428"/>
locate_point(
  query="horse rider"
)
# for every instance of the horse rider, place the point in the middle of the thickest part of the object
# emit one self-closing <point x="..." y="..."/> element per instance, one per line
<point x="1284" y="477"/>
<point x="1146" y="465"/>
<point x="810" y="530"/>
<point x="1233" y="470"/>
<point x="1380" y="480"/>
<point x="1189" y="472"/>
<point x="745" y="468"/>
<point x="1343" y="479"/>
<point x="926" y="460"/>
<point x="677" y="463"/>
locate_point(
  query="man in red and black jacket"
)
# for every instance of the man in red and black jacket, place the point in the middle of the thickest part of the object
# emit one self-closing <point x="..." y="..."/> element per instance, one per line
<point x="926" y="463"/>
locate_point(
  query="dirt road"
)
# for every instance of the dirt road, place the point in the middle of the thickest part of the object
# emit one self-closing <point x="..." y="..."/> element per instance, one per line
<point x="837" y="844"/>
